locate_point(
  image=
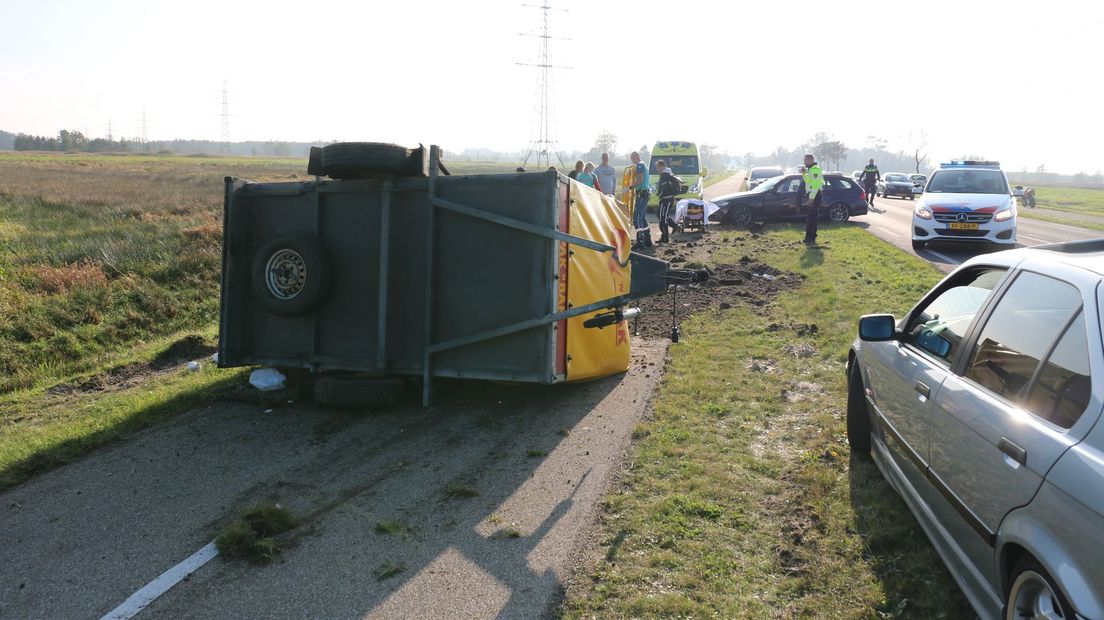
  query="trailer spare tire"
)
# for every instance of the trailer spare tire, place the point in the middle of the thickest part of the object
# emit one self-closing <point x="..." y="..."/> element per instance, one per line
<point x="358" y="391"/>
<point x="290" y="275"/>
<point x="361" y="160"/>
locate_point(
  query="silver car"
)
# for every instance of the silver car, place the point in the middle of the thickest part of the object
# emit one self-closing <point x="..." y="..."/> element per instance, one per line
<point x="980" y="408"/>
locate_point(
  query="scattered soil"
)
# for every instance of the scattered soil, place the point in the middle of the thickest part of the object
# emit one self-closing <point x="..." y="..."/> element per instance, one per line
<point x="800" y="350"/>
<point x="747" y="282"/>
<point x="123" y="377"/>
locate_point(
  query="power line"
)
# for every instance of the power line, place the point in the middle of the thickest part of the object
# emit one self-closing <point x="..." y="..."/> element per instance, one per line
<point x="543" y="143"/>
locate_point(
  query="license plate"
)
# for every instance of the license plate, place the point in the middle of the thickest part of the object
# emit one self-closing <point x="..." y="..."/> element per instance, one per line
<point x="963" y="226"/>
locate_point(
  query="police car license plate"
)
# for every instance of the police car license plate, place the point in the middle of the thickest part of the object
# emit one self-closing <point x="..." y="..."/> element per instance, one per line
<point x="963" y="226"/>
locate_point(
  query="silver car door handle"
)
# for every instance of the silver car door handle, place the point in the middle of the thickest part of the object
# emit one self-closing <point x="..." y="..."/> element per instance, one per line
<point x="1013" y="451"/>
<point x="923" y="389"/>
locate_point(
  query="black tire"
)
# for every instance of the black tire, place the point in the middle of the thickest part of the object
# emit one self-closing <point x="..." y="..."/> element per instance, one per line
<point x="858" y="413"/>
<point x="1031" y="589"/>
<point x="912" y="197"/>
<point x="360" y="160"/>
<point x="839" y="213"/>
<point x="739" y="215"/>
<point x="290" y="275"/>
<point x="355" y="391"/>
<point x="918" y="245"/>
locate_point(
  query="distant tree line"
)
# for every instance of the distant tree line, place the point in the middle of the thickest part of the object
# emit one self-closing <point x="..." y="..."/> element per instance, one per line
<point x="833" y="155"/>
<point x="74" y="141"/>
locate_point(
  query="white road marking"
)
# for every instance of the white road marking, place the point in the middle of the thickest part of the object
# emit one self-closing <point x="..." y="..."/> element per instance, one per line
<point x="149" y="592"/>
<point x="943" y="257"/>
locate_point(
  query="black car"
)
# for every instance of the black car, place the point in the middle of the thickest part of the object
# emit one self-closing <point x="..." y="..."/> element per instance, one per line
<point x="779" y="199"/>
<point x="896" y="184"/>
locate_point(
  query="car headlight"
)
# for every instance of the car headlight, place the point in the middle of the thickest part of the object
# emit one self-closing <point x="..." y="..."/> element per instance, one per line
<point x="923" y="213"/>
<point x="1005" y="215"/>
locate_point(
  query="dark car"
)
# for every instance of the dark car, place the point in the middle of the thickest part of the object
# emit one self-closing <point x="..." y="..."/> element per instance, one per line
<point x="779" y="199"/>
<point x="896" y="184"/>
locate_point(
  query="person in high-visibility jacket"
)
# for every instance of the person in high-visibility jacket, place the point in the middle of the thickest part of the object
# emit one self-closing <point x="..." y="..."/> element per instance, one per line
<point x="812" y="182"/>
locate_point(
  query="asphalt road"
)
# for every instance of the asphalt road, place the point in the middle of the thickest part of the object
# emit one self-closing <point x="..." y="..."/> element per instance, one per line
<point x="891" y="219"/>
<point x="80" y="540"/>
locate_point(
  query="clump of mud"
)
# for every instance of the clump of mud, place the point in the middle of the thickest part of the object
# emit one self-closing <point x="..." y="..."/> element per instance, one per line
<point x="747" y="282"/>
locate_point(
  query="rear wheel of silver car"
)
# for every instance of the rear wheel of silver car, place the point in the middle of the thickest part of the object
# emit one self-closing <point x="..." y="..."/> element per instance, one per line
<point x="1034" y="594"/>
<point x="838" y="213"/>
<point x="740" y="215"/>
<point x="858" y="412"/>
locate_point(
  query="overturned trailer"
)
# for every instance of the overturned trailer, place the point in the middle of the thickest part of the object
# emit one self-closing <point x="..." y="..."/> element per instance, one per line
<point x="399" y="268"/>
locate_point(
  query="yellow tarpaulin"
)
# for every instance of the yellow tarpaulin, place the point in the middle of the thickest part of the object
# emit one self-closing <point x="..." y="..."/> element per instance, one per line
<point x="594" y="276"/>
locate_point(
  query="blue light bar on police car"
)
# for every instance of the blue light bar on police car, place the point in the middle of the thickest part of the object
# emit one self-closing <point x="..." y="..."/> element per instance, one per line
<point x="969" y="163"/>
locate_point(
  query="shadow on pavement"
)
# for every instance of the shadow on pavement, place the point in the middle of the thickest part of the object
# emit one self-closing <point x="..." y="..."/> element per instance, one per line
<point x="493" y="489"/>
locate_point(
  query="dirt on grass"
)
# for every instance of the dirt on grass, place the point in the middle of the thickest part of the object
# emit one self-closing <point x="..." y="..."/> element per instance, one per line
<point x="747" y="281"/>
<point x="182" y="351"/>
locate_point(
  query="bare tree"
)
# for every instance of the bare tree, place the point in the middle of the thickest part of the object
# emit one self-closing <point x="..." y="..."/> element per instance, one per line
<point x="918" y="144"/>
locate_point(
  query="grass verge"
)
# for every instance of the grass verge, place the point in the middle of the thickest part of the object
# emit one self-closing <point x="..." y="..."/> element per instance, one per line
<point x="1071" y="199"/>
<point x="741" y="499"/>
<point x="1057" y="219"/>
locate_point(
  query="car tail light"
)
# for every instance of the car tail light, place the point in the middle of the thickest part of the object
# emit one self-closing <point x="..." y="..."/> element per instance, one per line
<point x="862" y="195"/>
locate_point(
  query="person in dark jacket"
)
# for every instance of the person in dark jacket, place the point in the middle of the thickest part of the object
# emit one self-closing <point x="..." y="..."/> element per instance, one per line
<point x="669" y="186"/>
<point x="870" y="178"/>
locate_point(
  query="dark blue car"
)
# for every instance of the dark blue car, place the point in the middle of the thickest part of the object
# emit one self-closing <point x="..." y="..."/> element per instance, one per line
<point x="778" y="199"/>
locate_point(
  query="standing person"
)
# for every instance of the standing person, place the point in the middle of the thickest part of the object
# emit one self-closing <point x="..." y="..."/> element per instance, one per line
<point x="812" y="181"/>
<point x="574" y="174"/>
<point x="640" y="209"/>
<point x="587" y="177"/>
<point x="870" y="177"/>
<point x="607" y="176"/>
<point x="668" y="187"/>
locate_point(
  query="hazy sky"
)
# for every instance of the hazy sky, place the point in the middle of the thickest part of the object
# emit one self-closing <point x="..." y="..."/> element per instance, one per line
<point x="1019" y="82"/>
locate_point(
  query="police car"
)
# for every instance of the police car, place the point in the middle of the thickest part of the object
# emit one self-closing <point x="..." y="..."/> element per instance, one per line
<point x="965" y="201"/>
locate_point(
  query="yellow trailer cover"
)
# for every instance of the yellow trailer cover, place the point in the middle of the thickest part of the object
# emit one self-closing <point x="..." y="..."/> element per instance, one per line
<point x="593" y="276"/>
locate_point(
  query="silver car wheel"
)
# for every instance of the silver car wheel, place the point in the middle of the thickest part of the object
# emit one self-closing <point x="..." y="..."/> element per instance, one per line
<point x="286" y="274"/>
<point x="1031" y="597"/>
<point x="839" y="213"/>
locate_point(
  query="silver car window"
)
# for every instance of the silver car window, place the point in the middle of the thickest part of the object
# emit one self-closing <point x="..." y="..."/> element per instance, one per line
<point x="1025" y="324"/>
<point x="1063" y="389"/>
<point x="939" y="326"/>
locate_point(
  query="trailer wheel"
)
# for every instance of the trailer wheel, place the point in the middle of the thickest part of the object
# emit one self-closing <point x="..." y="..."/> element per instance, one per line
<point x="361" y="160"/>
<point x="290" y="275"/>
<point x="358" y="391"/>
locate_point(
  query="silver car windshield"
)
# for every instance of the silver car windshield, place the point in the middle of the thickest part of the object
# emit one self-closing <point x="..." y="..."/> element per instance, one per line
<point x="766" y="174"/>
<point x="967" y="182"/>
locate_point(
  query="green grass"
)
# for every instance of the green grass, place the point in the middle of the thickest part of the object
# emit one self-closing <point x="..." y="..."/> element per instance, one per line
<point x="740" y="502"/>
<point x="392" y="527"/>
<point x="460" y="490"/>
<point x="1071" y="199"/>
<point x="1057" y="219"/>
<point x="254" y="535"/>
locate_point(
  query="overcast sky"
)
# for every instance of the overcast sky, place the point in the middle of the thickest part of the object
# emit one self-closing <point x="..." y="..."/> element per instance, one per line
<point x="1018" y="82"/>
